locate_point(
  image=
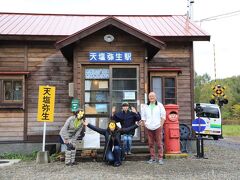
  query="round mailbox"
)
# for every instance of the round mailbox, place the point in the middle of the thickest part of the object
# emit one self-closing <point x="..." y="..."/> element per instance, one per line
<point x="171" y="129"/>
<point x="173" y="116"/>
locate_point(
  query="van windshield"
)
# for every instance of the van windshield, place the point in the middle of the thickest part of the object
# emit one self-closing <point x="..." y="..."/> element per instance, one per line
<point x="210" y="112"/>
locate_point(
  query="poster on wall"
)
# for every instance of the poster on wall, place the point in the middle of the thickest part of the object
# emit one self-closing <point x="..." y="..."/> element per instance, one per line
<point x="129" y="95"/>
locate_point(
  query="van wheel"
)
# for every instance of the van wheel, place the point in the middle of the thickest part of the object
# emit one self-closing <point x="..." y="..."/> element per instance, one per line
<point x="215" y="137"/>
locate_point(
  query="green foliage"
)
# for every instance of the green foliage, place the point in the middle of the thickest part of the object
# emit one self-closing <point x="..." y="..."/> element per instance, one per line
<point x="236" y="111"/>
<point x="203" y="92"/>
<point x="231" y="130"/>
<point x="23" y="157"/>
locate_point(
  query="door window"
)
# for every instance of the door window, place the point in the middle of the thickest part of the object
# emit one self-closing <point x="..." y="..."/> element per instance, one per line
<point x="165" y="89"/>
<point x="124" y="86"/>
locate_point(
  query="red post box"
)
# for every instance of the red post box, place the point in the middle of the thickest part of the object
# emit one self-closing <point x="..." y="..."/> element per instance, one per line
<point x="171" y="130"/>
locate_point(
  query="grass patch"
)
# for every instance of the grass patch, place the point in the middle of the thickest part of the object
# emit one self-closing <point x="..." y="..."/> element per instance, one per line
<point x="23" y="157"/>
<point x="231" y="130"/>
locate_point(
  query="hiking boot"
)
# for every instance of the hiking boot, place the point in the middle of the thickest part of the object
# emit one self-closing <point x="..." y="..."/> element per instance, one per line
<point x="160" y="162"/>
<point x="150" y="161"/>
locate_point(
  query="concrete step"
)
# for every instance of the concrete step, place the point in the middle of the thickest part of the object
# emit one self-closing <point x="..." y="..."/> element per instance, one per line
<point x="139" y="153"/>
<point x="99" y="157"/>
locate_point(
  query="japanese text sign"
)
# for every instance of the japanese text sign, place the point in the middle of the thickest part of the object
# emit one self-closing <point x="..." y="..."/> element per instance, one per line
<point x="110" y="57"/>
<point x="46" y="100"/>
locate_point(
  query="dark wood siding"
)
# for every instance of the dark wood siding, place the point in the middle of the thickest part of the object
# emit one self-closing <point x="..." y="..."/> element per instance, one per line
<point x="179" y="55"/>
<point x="12" y="58"/>
<point x="47" y="66"/>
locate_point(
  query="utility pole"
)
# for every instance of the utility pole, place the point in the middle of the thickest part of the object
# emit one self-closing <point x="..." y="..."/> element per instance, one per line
<point x="190" y="9"/>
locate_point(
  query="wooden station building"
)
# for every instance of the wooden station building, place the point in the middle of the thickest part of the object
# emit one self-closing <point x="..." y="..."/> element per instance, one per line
<point x="101" y="60"/>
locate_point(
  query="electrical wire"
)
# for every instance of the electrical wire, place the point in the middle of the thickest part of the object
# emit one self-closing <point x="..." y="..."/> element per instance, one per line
<point x="220" y="16"/>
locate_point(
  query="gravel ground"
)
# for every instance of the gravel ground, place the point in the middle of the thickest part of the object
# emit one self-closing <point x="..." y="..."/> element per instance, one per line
<point x="223" y="162"/>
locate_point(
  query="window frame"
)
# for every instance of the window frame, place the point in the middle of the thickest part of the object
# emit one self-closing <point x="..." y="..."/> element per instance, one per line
<point x="137" y="83"/>
<point x="164" y="75"/>
<point x="95" y="115"/>
<point x="18" y="104"/>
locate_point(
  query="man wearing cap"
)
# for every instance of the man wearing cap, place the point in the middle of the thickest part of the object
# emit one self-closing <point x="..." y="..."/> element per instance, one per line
<point x="127" y="118"/>
<point x="154" y="115"/>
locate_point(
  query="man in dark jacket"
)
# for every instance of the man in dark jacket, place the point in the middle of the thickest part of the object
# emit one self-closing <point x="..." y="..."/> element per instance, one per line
<point x="112" y="149"/>
<point x="127" y="118"/>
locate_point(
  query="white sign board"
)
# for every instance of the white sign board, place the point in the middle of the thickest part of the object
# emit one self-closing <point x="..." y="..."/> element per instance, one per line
<point x="91" y="140"/>
<point x="129" y="95"/>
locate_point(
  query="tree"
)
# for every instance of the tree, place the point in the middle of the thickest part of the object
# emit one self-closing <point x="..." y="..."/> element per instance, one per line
<point x="199" y="82"/>
<point x="236" y="111"/>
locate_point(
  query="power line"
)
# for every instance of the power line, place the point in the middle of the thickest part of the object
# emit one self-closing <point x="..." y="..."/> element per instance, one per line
<point x="220" y="16"/>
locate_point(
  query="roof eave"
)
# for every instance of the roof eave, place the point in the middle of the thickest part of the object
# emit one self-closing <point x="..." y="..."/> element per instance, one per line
<point x="104" y="23"/>
<point x="184" y="38"/>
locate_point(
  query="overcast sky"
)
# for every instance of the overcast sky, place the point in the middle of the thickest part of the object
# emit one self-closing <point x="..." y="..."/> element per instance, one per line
<point x="224" y="32"/>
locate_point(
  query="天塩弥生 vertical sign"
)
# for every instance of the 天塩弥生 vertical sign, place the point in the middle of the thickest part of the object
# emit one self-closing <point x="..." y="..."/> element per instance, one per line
<point x="46" y="100"/>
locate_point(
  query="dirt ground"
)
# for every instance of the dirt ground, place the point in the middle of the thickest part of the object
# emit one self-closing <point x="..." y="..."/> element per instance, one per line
<point x="222" y="162"/>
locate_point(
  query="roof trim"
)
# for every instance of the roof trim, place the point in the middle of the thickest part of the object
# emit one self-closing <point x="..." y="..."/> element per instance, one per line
<point x="15" y="73"/>
<point x="184" y="38"/>
<point x="165" y="69"/>
<point x="104" y="23"/>
<point x="53" y="14"/>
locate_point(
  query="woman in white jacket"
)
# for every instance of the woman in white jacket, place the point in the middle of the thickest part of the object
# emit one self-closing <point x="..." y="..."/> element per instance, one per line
<point x="154" y="115"/>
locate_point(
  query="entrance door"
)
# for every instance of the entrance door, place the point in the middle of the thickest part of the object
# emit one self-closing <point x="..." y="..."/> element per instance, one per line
<point x="106" y="87"/>
<point x="124" y="87"/>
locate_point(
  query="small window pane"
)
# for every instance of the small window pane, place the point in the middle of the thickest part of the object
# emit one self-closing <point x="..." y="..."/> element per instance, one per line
<point x="170" y="101"/>
<point x="103" y="122"/>
<point x="95" y="73"/>
<point x="17" y="90"/>
<point x="92" y="121"/>
<point x="119" y="105"/>
<point x="124" y="73"/>
<point x="169" y="82"/>
<point x="96" y="96"/>
<point x="96" y="108"/>
<point x="8" y="92"/>
<point x="118" y="96"/>
<point x="157" y="87"/>
<point x="124" y="85"/>
<point x="13" y="90"/>
<point x="169" y="92"/>
<point x="96" y="85"/>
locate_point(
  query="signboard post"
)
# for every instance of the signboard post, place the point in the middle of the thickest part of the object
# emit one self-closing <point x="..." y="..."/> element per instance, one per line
<point x="46" y="100"/>
<point x="199" y="125"/>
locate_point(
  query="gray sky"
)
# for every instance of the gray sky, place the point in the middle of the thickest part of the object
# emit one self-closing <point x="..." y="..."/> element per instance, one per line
<point x="224" y="32"/>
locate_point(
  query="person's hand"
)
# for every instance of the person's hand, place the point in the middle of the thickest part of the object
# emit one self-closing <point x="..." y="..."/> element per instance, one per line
<point x="133" y="109"/>
<point x="66" y="141"/>
<point x="85" y="123"/>
<point x="113" y="110"/>
<point x="139" y="123"/>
